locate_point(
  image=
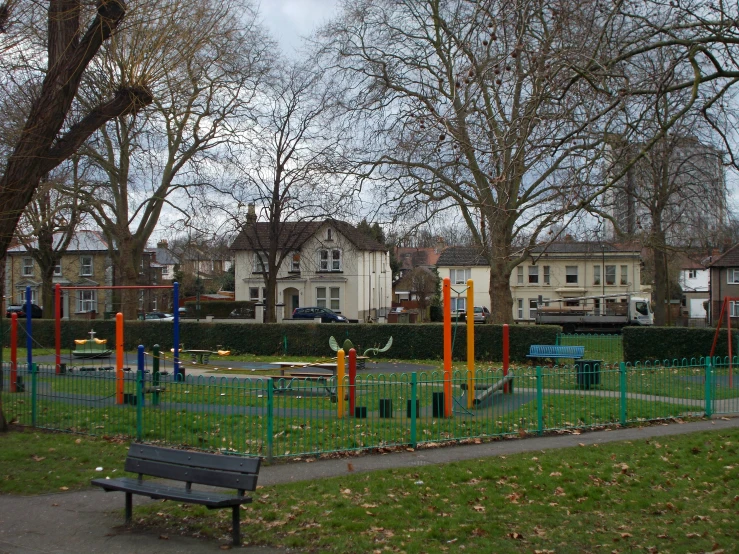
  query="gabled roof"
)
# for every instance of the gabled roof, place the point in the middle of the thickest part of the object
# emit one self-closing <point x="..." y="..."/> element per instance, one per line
<point x="462" y="255"/>
<point x="730" y="258"/>
<point x="577" y="247"/>
<point x="293" y="234"/>
<point x="416" y="257"/>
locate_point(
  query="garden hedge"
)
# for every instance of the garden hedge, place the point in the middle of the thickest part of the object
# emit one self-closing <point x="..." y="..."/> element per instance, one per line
<point x="416" y="341"/>
<point x="669" y="343"/>
<point x="219" y="308"/>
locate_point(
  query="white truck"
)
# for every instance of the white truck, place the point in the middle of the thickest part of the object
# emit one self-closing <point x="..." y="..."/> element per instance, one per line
<point x="593" y="314"/>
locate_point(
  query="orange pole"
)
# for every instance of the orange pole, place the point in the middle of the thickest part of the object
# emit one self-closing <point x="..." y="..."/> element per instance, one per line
<point x="14" y="352"/>
<point x="470" y="343"/>
<point x="340" y="382"/>
<point x="119" y="358"/>
<point x="447" y="292"/>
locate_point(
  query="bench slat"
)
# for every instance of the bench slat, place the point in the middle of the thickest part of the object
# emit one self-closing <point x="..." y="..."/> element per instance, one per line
<point x="156" y="490"/>
<point x="203" y="476"/>
<point x="197" y="459"/>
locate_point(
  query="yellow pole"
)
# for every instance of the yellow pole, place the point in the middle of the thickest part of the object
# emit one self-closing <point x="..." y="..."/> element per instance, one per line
<point x="470" y="343"/>
<point x="340" y="382"/>
<point x="119" y="358"/>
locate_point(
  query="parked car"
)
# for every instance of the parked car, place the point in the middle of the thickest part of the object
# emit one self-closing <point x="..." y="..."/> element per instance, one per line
<point x="20" y="309"/>
<point x="158" y="316"/>
<point x="312" y="312"/>
<point x="481" y="314"/>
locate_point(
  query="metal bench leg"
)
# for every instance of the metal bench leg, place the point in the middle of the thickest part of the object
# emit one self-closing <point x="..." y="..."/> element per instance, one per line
<point x="129" y="507"/>
<point x="236" y="524"/>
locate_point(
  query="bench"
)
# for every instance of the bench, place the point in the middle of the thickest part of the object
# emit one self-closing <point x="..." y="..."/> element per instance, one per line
<point x="552" y="351"/>
<point x="189" y="467"/>
<point x="284" y="384"/>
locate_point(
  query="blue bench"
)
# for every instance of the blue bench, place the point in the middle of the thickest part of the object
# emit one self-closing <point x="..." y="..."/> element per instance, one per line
<point x="552" y="351"/>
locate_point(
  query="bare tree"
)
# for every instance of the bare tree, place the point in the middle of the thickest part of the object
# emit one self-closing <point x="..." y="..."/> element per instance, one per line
<point x="422" y="287"/>
<point x="292" y="171"/>
<point x="211" y="58"/>
<point x="500" y="110"/>
<point x="74" y="33"/>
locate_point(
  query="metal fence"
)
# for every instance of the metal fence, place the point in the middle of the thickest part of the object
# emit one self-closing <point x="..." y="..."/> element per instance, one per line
<point x="271" y="417"/>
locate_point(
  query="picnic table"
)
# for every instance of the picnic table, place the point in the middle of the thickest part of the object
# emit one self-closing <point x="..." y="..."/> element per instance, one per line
<point x="290" y="366"/>
<point x="199" y="356"/>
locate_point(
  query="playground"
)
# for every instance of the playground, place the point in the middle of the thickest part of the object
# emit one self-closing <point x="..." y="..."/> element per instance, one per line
<point x="289" y="408"/>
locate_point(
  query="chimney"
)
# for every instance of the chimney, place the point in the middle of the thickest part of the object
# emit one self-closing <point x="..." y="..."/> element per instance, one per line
<point x="163" y="244"/>
<point x="251" y="215"/>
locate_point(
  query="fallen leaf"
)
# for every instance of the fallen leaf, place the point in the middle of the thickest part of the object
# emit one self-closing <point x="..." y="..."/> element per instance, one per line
<point x="37" y="458"/>
<point x="478" y="508"/>
<point x="164" y="537"/>
<point x="349" y="467"/>
<point x="63" y="488"/>
<point x="516" y="536"/>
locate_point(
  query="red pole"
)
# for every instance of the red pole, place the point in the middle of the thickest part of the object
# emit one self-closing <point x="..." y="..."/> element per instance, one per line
<point x="506" y="356"/>
<point x="352" y="379"/>
<point x="447" y="292"/>
<point x="58" y="326"/>
<point x="14" y="351"/>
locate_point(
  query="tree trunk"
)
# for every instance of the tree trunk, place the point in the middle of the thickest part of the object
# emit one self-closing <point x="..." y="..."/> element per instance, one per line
<point x="501" y="300"/>
<point x="3" y="256"/>
<point x="47" y="291"/>
<point x="127" y="261"/>
<point x="661" y="275"/>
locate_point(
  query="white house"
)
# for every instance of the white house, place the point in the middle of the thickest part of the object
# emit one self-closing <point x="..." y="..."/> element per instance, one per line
<point x="328" y="264"/>
<point x="695" y="281"/>
<point x="561" y="270"/>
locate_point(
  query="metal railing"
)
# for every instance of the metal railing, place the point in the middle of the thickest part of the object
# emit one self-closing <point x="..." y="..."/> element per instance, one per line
<point x="271" y="417"/>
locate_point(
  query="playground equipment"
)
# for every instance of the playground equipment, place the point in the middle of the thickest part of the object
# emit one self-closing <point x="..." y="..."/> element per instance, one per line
<point x="725" y="305"/>
<point x="348" y="345"/>
<point x="119" y="325"/>
<point x="92" y="347"/>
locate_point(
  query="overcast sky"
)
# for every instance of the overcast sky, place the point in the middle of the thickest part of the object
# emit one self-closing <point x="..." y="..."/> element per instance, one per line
<point x="289" y="20"/>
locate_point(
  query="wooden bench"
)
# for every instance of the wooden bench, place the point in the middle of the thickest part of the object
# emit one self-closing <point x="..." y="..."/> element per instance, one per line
<point x="189" y="467"/>
<point x="552" y="351"/>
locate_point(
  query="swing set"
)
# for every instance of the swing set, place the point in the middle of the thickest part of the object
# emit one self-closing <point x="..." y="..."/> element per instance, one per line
<point x="725" y="309"/>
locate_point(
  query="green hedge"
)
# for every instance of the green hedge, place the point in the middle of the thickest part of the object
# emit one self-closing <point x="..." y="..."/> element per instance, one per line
<point x="643" y="344"/>
<point x="219" y="308"/>
<point x="418" y="341"/>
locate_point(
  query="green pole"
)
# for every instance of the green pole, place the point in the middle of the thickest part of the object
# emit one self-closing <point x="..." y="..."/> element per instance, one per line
<point x="270" y="419"/>
<point x="414" y="395"/>
<point x="539" y="401"/>
<point x="140" y="394"/>
<point x="155" y="374"/>
<point x="285" y="343"/>
<point x="34" y="411"/>
<point x="622" y="379"/>
<point x="709" y="379"/>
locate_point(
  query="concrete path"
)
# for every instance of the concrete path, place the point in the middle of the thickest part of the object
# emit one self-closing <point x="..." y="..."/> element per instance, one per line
<point x="90" y="520"/>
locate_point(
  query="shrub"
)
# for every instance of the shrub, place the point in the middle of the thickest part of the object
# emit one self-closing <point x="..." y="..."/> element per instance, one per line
<point x="221" y="308"/>
<point x="643" y="344"/>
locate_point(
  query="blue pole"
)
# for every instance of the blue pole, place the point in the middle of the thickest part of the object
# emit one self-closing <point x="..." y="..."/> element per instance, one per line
<point x="29" y="333"/>
<point x="176" y="301"/>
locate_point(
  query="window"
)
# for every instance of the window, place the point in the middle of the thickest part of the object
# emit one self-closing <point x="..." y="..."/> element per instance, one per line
<point x="141" y="302"/>
<point x="520" y="308"/>
<point x="260" y="262"/>
<point x="321" y="297"/>
<point x="610" y="275"/>
<point x="85" y="266"/>
<point x="34" y="293"/>
<point x="458" y="304"/>
<point x="692" y="273"/>
<point x="329" y="260"/>
<point x="58" y="269"/>
<point x="254" y="294"/>
<point x="596" y="275"/>
<point x="624" y="275"/>
<point x="295" y="262"/>
<point x="733" y="276"/>
<point x="86" y="301"/>
<point x="519" y="275"/>
<point x="27" y="267"/>
<point x="264" y="293"/>
<point x="532" y="308"/>
<point x="571" y="274"/>
<point x="546" y="275"/>
<point x="165" y="270"/>
<point x="459" y="276"/>
<point x="643" y="308"/>
<point x="329" y="235"/>
<point x="533" y="274"/>
<point x="334" y="300"/>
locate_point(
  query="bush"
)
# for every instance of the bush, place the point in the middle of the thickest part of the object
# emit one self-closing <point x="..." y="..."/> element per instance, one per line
<point x="220" y="308"/>
<point x="643" y="344"/>
<point x="418" y="341"/>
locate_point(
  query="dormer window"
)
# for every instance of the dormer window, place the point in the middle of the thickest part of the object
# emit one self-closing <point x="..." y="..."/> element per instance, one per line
<point x="260" y="262"/>
<point x="329" y="260"/>
<point x="295" y="263"/>
<point x="329" y="235"/>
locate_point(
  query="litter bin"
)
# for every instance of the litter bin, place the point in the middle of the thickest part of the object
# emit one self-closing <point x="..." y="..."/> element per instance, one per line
<point x="588" y="373"/>
<point x="404" y="317"/>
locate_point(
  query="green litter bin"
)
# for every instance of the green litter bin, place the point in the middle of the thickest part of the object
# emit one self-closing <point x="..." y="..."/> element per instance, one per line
<point x="588" y="373"/>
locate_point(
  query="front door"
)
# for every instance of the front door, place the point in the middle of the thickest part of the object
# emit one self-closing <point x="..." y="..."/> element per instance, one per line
<point x="295" y="302"/>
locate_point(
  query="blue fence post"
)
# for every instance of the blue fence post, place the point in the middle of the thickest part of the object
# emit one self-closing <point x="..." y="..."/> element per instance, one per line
<point x="539" y="401"/>
<point x="270" y="418"/>
<point x="140" y="394"/>
<point x="29" y="328"/>
<point x="176" y="302"/>
<point x="622" y="387"/>
<point x="709" y="379"/>
<point x="414" y="396"/>
<point x="34" y="408"/>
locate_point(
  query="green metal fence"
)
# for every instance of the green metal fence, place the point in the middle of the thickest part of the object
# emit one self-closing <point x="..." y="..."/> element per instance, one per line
<point x="262" y="416"/>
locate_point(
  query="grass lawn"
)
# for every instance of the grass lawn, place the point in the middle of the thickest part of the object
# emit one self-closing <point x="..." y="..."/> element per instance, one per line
<point x="34" y="461"/>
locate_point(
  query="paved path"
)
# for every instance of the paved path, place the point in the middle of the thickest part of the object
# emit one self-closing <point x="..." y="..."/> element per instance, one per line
<point x="89" y="520"/>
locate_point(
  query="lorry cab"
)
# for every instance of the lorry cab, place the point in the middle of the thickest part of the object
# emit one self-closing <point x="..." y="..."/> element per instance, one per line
<point x="641" y="311"/>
